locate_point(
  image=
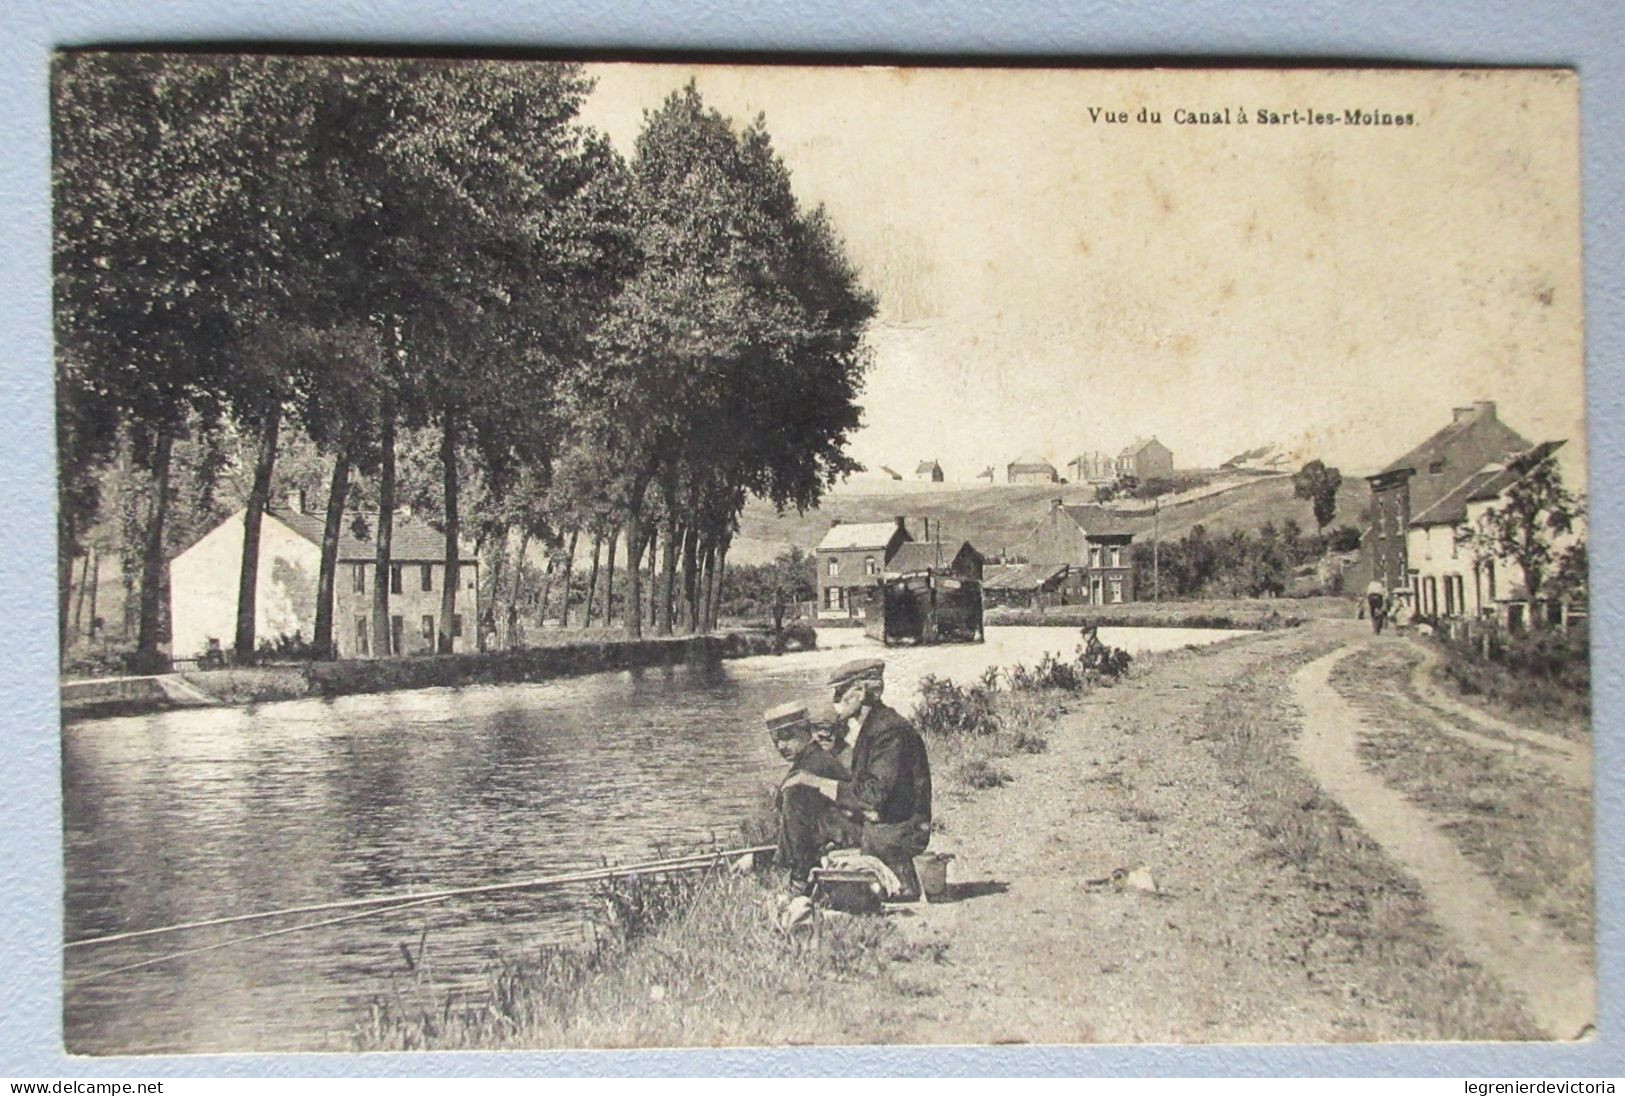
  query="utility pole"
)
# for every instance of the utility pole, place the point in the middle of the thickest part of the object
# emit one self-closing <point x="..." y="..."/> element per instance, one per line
<point x="1156" y="549"/>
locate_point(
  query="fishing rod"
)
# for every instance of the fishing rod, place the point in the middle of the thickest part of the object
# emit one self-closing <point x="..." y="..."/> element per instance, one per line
<point x="249" y="939"/>
<point x="679" y="863"/>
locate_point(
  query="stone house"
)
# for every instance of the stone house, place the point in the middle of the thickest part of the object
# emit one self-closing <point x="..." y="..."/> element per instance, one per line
<point x="203" y="585"/>
<point x="1092" y="467"/>
<point x="928" y="471"/>
<point x="1146" y="459"/>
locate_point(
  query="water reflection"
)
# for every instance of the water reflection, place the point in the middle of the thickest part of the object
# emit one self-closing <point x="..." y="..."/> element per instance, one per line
<point x="199" y="814"/>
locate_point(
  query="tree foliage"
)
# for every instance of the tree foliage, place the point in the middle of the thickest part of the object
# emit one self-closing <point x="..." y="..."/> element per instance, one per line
<point x="1318" y="484"/>
<point x="1526" y="521"/>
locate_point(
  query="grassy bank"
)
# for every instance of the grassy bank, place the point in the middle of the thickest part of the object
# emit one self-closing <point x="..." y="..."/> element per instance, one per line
<point x="1252" y="613"/>
<point x="1543" y="674"/>
<point x="1366" y="915"/>
<point x="697" y="960"/>
<point x="256" y="684"/>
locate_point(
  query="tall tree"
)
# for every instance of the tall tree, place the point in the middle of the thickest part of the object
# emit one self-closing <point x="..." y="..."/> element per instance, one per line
<point x="1318" y="484"/>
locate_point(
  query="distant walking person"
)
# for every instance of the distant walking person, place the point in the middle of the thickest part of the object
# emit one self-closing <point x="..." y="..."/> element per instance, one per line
<point x="1376" y="599"/>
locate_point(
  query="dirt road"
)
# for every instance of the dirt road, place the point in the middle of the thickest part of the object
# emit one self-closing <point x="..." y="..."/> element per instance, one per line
<point x="1272" y="913"/>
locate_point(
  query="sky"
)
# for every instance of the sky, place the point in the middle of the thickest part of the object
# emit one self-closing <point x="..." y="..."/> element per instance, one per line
<point x="1051" y="282"/>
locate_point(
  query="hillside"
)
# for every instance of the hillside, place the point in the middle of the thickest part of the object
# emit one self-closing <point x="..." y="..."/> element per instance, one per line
<point x="999" y="518"/>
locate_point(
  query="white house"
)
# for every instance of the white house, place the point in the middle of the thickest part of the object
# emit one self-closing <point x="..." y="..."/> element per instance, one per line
<point x="203" y="585"/>
<point x="1446" y="578"/>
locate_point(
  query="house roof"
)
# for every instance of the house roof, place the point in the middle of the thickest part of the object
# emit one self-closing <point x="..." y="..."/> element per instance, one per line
<point x="1487" y="483"/>
<point x="412" y="540"/>
<point x="1021" y="576"/>
<point x="927" y="466"/>
<point x="1032" y="464"/>
<point x="1437" y="446"/>
<point x="922" y="556"/>
<point x="860" y="534"/>
<point x="1097" y="521"/>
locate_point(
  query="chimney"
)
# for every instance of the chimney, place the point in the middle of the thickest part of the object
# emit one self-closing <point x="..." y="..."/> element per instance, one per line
<point x="902" y="523"/>
<point x="296" y="500"/>
<point x="1477" y="410"/>
<point x="1055" y="505"/>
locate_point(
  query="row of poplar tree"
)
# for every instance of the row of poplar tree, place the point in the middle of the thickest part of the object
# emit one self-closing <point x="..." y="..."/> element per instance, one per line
<point x="356" y="251"/>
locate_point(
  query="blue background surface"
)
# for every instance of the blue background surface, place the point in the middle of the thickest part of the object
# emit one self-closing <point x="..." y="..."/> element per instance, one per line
<point x="1586" y="36"/>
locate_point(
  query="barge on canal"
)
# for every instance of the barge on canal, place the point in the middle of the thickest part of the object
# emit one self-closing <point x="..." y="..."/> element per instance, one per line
<point x="927" y="595"/>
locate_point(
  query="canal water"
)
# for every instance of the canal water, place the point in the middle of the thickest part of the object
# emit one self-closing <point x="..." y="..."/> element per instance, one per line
<point x="197" y="814"/>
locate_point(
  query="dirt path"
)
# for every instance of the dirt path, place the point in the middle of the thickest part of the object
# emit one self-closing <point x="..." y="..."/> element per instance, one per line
<point x="1234" y="945"/>
<point x="1553" y="976"/>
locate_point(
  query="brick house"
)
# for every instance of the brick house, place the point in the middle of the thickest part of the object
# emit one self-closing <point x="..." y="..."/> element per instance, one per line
<point x="1409" y="486"/>
<point x="203" y="585"/>
<point x="850" y="560"/>
<point x="1095" y="544"/>
<point x="1146" y="459"/>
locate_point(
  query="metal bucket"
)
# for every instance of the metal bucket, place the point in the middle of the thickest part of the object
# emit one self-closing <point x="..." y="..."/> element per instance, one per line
<point x="932" y="868"/>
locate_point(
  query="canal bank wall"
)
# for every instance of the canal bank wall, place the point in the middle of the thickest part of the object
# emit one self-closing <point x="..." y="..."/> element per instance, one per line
<point x="262" y="684"/>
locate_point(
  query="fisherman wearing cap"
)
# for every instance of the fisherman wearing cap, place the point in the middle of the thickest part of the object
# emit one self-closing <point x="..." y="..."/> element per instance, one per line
<point x="792" y="732"/>
<point x="884" y="807"/>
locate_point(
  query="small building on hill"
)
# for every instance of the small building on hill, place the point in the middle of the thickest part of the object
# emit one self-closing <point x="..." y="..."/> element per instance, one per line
<point x="1146" y="459"/>
<point x="1030" y="469"/>
<point x="1095" y="544"/>
<point x="850" y="560"/>
<point x="203" y="585"/>
<point x="928" y="471"/>
<point x="1092" y="467"/>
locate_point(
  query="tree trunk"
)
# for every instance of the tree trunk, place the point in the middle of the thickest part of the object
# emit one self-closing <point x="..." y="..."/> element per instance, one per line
<point x="654" y="587"/>
<point x="547" y="593"/>
<point x="668" y="579"/>
<point x="609" y="580"/>
<point x="382" y="634"/>
<point x="691" y="544"/>
<point x="634" y="557"/>
<point x="452" y="574"/>
<point x="569" y="566"/>
<point x="495" y="576"/>
<point x="720" y="569"/>
<point x="515" y="617"/>
<point x="152" y="561"/>
<point x="79" y="601"/>
<point x="327" y="573"/>
<point x="66" y="542"/>
<point x="248" y="574"/>
<point x="592" y="579"/>
<point x="95" y="588"/>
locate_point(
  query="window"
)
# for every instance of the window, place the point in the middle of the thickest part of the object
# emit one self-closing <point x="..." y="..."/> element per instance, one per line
<point x="1117" y="589"/>
<point x="361" y="634"/>
<point x="428" y="627"/>
<point x="397" y="626"/>
<point x="1117" y="555"/>
<point x="395" y="578"/>
<point x="1094" y="555"/>
<point x="869" y="567"/>
<point x="426" y="577"/>
<point x="832" y="597"/>
<point x="358" y="577"/>
<point x="834" y="566"/>
<point x="456" y="625"/>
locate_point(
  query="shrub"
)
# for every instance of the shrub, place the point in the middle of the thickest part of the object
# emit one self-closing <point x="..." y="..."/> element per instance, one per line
<point x="982" y="774"/>
<point x="945" y="708"/>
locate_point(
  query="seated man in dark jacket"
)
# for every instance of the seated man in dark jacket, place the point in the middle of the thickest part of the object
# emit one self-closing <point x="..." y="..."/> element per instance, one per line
<point x="884" y="807"/>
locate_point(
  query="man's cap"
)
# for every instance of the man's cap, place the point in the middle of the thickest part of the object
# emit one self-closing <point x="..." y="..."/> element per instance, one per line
<point x="785" y="716"/>
<point x="859" y="669"/>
